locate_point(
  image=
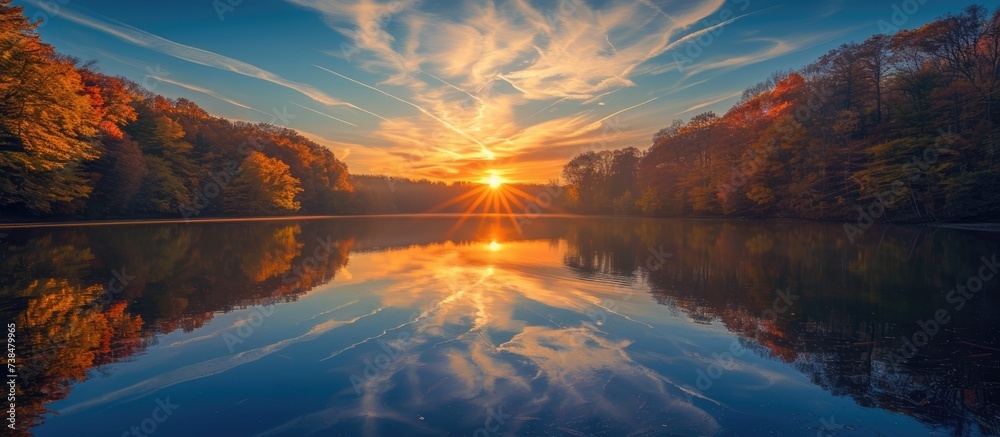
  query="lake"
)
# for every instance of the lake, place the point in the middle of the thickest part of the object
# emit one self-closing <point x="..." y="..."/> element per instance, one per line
<point x="485" y="327"/>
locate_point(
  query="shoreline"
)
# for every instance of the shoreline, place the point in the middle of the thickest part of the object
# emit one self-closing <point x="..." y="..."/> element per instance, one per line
<point x="155" y="221"/>
<point x="975" y="226"/>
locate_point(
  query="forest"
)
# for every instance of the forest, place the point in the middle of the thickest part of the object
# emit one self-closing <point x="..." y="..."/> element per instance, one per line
<point x="898" y="127"/>
<point x="80" y="144"/>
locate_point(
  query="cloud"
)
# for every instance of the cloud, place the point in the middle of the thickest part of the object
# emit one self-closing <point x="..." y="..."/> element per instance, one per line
<point x="470" y="69"/>
<point x="365" y="31"/>
<point x="207" y="92"/>
<point x="191" y="54"/>
<point x="324" y="114"/>
<point x="710" y="102"/>
<point x="597" y="123"/>
<point x="697" y="34"/>
<point x="210" y="367"/>
<point x="777" y="48"/>
<point x="478" y="324"/>
<point x="513" y="85"/>
<point x="364" y="157"/>
<point x="418" y="107"/>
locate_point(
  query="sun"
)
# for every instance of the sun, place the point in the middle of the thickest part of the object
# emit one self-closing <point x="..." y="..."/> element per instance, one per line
<point x="493" y="181"/>
<point x="494" y="196"/>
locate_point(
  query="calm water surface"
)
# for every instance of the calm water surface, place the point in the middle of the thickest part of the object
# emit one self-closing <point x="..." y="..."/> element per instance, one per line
<point x="564" y="327"/>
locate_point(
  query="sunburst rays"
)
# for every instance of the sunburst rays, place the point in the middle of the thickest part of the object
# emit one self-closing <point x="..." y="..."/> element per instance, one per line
<point x="494" y="198"/>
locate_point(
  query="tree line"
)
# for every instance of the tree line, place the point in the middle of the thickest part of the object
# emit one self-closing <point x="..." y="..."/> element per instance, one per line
<point x="78" y="143"/>
<point x="898" y="127"/>
<point x="72" y="324"/>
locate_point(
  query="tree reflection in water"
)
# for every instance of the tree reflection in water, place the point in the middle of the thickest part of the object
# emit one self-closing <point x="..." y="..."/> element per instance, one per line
<point x="855" y="300"/>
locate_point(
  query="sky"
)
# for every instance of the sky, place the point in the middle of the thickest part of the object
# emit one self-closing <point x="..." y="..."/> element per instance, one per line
<point x="458" y="90"/>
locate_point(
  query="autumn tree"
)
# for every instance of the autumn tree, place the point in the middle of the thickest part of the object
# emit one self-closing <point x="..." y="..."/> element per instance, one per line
<point x="121" y="171"/>
<point x="264" y="186"/>
<point x="875" y="59"/>
<point x="587" y="174"/>
<point x="47" y="125"/>
<point x="166" y="156"/>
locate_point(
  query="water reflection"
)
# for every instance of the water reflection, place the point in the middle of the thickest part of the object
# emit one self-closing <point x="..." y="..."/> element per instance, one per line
<point x="436" y="328"/>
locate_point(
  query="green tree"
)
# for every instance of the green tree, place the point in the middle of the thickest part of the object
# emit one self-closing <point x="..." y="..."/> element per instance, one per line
<point x="166" y="156"/>
<point x="120" y="174"/>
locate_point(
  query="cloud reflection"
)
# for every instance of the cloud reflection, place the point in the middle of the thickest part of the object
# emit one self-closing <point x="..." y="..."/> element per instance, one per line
<point x="479" y="337"/>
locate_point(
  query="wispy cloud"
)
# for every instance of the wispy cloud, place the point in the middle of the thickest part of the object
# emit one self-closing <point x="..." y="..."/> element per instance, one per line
<point x="191" y="54"/>
<point x="691" y="37"/>
<point x="206" y="92"/>
<point x="418" y="107"/>
<point x="710" y="102"/>
<point x="543" y="52"/>
<point x="468" y="71"/>
<point x="777" y="48"/>
<point x="597" y="123"/>
<point x="323" y="114"/>
<point x="525" y="83"/>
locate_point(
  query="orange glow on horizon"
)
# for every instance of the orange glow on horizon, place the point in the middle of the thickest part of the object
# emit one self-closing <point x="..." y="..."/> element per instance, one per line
<point x="495" y="197"/>
<point x="493" y="181"/>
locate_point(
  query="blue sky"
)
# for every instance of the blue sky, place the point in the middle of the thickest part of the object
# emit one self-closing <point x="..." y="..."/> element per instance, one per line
<point x="457" y="90"/>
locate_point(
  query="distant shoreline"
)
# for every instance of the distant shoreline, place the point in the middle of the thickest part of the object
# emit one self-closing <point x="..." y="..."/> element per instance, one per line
<point x="118" y="222"/>
<point x="979" y="226"/>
